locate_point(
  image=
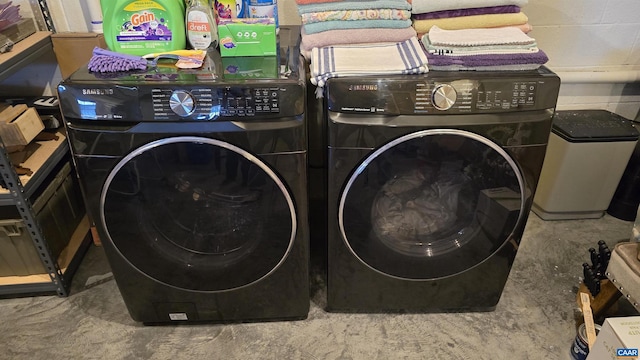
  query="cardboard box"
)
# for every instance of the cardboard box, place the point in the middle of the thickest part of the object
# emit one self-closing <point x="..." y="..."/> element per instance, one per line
<point x="618" y="339"/>
<point x="247" y="37"/>
<point x="22" y="129"/>
<point x="74" y="50"/>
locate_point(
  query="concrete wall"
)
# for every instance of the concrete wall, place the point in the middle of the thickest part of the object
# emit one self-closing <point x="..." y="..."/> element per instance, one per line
<point x="595" y="48"/>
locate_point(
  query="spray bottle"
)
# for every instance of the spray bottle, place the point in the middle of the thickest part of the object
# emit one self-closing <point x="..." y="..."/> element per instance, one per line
<point x="202" y="29"/>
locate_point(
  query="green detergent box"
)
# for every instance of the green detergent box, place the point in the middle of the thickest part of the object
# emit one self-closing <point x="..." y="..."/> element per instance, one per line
<point x="247" y="37"/>
<point x="250" y="67"/>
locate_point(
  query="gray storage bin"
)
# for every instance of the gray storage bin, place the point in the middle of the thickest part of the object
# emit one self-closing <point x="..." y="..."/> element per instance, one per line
<point x="59" y="210"/>
<point x="18" y="256"/>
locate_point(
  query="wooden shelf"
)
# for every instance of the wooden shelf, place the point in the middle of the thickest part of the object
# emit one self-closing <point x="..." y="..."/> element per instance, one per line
<point x="45" y="155"/>
<point x="43" y="158"/>
<point x="24" y="51"/>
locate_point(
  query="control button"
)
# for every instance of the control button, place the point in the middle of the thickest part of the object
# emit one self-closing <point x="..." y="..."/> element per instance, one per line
<point x="444" y="97"/>
<point x="182" y="103"/>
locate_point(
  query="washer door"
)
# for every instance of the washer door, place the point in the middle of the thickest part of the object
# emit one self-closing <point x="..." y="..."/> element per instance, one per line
<point x="198" y="214"/>
<point x="431" y="204"/>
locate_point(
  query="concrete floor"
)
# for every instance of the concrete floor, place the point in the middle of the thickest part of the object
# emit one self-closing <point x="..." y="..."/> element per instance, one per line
<point x="535" y="319"/>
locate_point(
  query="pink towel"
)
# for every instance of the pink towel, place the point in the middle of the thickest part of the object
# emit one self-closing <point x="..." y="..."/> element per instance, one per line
<point x="355" y="36"/>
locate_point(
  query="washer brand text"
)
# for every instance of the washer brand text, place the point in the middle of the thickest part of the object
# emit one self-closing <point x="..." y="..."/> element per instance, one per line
<point x="97" y="91"/>
<point x="363" y="87"/>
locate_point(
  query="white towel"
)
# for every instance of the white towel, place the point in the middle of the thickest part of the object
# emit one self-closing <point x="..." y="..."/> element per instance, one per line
<point x="406" y="57"/>
<point x="425" y="6"/>
<point x="477" y="50"/>
<point x="479" y="37"/>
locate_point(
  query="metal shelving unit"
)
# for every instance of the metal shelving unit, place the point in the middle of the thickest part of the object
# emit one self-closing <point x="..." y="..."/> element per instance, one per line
<point x="20" y="191"/>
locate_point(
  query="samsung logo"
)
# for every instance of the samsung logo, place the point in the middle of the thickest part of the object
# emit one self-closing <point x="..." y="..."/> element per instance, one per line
<point x="97" y="91"/>
<point x="363" y="87"/>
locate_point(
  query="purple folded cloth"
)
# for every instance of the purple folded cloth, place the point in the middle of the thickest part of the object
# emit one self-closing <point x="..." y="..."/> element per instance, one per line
<point x="488" y="60"/>
<point x="505" y="9"/>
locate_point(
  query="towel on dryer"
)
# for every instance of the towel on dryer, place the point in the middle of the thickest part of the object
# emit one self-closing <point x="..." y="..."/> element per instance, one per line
<point x="407" y="57"/>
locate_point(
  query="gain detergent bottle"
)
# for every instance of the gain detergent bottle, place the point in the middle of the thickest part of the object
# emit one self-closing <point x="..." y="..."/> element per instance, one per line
<point x="140" y="27"/>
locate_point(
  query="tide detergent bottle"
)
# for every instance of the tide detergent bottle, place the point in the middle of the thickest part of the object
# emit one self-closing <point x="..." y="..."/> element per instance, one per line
<point x="140" y="27"/>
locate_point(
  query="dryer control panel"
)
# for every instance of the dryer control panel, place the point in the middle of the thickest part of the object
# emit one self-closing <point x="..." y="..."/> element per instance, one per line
<point x="444" y="93"/>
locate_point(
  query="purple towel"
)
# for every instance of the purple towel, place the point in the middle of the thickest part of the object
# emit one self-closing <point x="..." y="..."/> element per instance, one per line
<point x="488" y="60"/>
<point x="505" y="9"/>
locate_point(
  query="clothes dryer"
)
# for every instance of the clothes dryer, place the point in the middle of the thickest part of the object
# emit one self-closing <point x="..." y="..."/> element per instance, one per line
<point x="196" y="181"/>
<point x="430" y="181"/>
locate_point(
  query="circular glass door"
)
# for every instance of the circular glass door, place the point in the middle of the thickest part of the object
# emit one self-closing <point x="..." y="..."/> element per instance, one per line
<point x="431" y="204"/>
<point x="198" y="214"/>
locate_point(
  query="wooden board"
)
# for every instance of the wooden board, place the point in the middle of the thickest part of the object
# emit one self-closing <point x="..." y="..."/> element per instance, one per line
<point x="9" y="112"/>
<point x="21" y="130"/>
<point x="607" y="296"/>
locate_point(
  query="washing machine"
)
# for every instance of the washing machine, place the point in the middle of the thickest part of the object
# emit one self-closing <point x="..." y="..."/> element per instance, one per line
<point x="196" y="182"/>
<point x="430" y="180"/>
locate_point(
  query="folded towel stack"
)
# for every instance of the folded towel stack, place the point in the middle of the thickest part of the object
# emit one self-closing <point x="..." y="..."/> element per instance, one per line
<point x="505" y="48"/>
<point x="331" y="22"/>
<point x="349" y="38"/>
<point x="468" y="14"/>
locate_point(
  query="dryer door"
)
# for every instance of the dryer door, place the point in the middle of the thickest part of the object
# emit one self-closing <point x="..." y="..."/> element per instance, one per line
<point x="198" y="214"/>
<point x="431" y="204"/>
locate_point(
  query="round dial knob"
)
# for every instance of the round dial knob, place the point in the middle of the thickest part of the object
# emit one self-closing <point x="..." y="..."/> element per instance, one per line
<point x="182" y="103"/>
<point x="443" y="97"/>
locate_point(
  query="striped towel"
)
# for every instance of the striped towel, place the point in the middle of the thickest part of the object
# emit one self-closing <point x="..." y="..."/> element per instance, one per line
<point x="405" y="57"/>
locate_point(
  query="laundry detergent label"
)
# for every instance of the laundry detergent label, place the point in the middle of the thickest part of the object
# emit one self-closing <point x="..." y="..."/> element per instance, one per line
<point x="146" y="24"/>
<point x="139" y="27"/>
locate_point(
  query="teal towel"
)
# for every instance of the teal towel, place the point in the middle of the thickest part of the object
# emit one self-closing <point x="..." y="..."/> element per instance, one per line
<point x="355" y="24"/>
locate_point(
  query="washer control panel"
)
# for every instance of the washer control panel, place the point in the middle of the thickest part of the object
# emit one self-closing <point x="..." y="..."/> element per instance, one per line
<point x="440" y="93"/>
<point x="264" y="101"/>
<point x="211" y="103"/>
